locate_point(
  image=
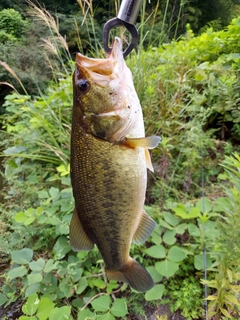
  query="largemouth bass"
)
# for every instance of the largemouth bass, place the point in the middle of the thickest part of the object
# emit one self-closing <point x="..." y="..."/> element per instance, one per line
<point x="109" y="161"/>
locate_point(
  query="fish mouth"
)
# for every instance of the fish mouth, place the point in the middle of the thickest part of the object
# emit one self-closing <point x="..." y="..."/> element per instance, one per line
<point x="102" y="71"/>
<point x="112" y="76"/>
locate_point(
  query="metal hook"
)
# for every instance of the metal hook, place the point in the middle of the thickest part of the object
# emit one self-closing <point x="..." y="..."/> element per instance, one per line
<point x="116" y="22"/>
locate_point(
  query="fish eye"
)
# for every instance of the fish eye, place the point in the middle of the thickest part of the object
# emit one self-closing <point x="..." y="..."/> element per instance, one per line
<point x="83" y="85"/>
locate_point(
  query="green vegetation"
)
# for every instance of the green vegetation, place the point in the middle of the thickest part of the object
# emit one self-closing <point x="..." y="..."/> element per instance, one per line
<point x="189" y="91"/>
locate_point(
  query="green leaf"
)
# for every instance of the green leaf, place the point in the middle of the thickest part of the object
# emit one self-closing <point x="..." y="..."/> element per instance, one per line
<point x="166" y="268"/>
<point x="199" y="261"/>
<point x="194" y="230"/>
<point x="61" y="247"/>
<point x="101" y="303"/>
<point x="156" y="235"/>
<point x="156" y="251"/>
<point x="3" y="299"/>
<point x="77" y="274"/>
<point x="44" y="308"/>
<point x="34" y="288"/>
<point x="31" y="305"/>
<point x="37" y="265"/>
<point x="26" y="217"/>
<point x="180" y="229"/>
<point x="165" y="224"/>
<point x="180" y="211"/>
<point x="50" y="266"/>
<point x="17" y="272"/>
<point x="106" y="316"/>
<point x="200" y="75"/>
<point x="20" y="217"/>
<point x="77" y="303"/>
<point x="28" y="318"/>
<point x="82" y="285"/>
<point x="112" y="285"/>
<point x="63" y="313"/>
<point x="154" y="274"/>
<point x="171" y="219"/>
<point x="14" y="150"/>
<point x="211" y="230"/>
<point x="194" y="212"/>
<point x="176" y="254"/>
<point x="204" y="205"/>
<point x="232" y="299"/>
<point x="42" y="194"/>
<point x="29" y="221"/>
<point x="221" y="204"/>
<point x="66" y="287"/>
<point x="226" y="313"/>
<point x="169" y="237"/>
<point x="34" y="278"/>
<point x="86" y="314"/>
<point x="119" y="308"/>
<point x="155" y="293"/>
<point x="23" y="256"/>
<point x="54" y="192"/>
<point x="99" y="283"/>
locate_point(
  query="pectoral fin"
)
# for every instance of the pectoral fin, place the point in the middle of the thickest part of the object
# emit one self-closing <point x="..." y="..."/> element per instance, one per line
<point x="79" y="240"/>
<point x="145" y="228"/>
<point x="145" y="142"/>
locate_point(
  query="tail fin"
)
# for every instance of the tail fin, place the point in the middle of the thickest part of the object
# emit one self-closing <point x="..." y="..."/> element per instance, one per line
<point x="133" y="274"/>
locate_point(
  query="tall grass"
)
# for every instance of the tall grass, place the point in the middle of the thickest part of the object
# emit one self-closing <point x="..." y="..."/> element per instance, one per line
<point x="10" y="70"/>
<point x="39" y="128"/>
<point x="55" y="44"/>
<point x="87" y="10"/>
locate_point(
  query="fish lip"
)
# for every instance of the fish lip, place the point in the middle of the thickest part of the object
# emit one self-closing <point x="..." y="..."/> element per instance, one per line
<point x="106" y="67"/>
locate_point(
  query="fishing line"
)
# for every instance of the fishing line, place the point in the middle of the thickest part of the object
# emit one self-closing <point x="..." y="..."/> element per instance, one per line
<point x="204" y="247"/>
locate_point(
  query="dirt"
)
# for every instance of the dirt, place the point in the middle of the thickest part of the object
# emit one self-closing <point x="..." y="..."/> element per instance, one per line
<point x="12" y="312"/>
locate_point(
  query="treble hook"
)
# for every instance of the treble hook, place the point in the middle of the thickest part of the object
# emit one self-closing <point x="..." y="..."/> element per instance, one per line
<point x="126" y="17"/>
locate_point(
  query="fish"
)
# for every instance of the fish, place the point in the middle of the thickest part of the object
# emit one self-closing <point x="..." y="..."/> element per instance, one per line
<point x="108" y="166"/>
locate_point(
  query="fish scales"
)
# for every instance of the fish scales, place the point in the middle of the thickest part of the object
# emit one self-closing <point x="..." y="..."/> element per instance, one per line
<point x="107" y="196"/>
<point x="109" y="160"/>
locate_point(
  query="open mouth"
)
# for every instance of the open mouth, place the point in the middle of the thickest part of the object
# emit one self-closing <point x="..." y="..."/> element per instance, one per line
<point x="102" y="71"/>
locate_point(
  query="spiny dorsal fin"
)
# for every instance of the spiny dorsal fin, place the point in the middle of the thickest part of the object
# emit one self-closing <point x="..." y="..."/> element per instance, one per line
<point x="79" y="240"/>
<point x="145" y="228"/>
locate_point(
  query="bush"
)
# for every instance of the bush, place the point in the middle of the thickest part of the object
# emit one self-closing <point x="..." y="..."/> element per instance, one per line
<point x="12" y="25"/>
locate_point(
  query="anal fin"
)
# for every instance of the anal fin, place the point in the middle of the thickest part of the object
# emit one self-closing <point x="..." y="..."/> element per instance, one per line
<point x="145" y="228"/>
<point x="79" y="240"/>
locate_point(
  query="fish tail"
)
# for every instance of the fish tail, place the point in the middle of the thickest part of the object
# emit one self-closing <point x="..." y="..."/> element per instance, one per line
<point x="133" y="274"/>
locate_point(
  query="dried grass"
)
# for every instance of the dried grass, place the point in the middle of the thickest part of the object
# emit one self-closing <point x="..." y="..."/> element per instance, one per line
<point x="56" y="41"/>
<point x="10" y="70"/>
<point x="85" y="6"/>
